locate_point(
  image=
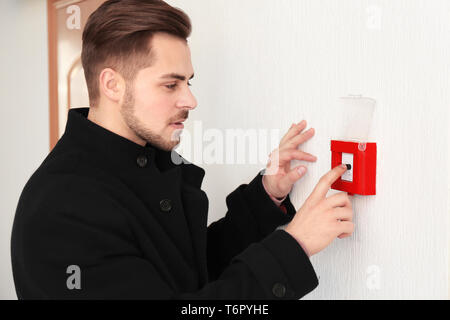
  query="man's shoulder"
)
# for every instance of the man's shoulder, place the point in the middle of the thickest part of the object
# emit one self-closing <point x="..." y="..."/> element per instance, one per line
<point x="51" y="196"/>
<point x="63" y="178"/>
<point x="66" y="165"/>
<point x="57" y="169"/>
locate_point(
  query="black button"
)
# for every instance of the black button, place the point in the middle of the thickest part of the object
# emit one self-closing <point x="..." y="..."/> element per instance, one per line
<point x="279" y="290"/>
<point x="165" y="205"/>
<point x="142" y="161"/>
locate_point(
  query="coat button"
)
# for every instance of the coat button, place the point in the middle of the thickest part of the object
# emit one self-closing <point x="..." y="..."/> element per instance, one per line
<point x="141" y="161"/>
<point x="279" y="290"/>
<point x="165" y="205"/>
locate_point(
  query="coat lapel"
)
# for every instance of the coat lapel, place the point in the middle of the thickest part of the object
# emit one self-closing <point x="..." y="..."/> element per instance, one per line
<point x="195" y="202"/>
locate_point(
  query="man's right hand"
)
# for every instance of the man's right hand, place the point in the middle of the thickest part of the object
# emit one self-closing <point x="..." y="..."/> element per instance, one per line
<point x="320" y="220"/>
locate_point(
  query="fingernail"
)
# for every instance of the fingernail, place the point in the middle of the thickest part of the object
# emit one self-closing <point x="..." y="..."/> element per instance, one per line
<point x="301" y="170"/>
<point x="343" y="165"/>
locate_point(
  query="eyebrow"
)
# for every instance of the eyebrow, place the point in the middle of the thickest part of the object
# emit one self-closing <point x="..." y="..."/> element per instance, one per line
<point x="175" y="76"/>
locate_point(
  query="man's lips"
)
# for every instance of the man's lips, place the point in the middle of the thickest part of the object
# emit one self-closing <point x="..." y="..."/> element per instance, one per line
<point x="179" y="123"/>
<point x="180" y="120"/>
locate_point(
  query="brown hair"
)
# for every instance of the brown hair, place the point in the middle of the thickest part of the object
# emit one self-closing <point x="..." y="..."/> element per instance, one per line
<point x="117" y="35"/>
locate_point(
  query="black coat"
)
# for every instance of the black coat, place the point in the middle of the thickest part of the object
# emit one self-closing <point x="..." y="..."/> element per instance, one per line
<point x="135" y="224"/>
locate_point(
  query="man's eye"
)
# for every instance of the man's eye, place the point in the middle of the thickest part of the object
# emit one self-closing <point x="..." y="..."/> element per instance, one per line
<point x="172" y="86"/>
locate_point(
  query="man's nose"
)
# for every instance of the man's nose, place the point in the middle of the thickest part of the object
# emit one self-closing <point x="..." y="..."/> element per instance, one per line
<point x="188" y="100"/>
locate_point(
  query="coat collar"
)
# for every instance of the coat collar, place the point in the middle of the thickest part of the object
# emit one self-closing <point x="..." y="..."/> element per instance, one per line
<point x="119" y="153"/>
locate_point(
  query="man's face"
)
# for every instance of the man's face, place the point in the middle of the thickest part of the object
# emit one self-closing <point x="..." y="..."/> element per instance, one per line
<point x="156" y="100"/>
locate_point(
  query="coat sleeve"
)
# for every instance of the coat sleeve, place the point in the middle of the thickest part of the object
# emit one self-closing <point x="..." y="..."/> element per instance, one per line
<point x="111" y="266"/>
<point x="251" y="216"/>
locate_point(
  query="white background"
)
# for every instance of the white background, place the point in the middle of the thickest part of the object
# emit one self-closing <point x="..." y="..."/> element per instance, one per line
<point x="263" y="65"/>
<point x="24" y="124"/>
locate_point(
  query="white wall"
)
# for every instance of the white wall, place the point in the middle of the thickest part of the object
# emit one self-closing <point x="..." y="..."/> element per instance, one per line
<point x="262" y="64"/>
<point x="23" y="112"/>
<point x="265" y="64"/>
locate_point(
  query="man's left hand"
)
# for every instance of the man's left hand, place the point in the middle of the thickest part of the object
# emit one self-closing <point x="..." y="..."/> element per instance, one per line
<point x="279" y="177"/>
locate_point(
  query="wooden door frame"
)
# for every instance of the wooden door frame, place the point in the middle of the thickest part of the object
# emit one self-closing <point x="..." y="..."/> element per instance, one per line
<point x="52" y="73"/>
<point x="52" y="29"/>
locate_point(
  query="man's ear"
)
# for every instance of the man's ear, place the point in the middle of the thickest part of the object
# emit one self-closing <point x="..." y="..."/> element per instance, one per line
<point x="112" y="85"/>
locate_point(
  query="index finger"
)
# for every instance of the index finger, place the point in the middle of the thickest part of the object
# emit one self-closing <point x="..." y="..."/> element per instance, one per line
<point x="326" y="181"/>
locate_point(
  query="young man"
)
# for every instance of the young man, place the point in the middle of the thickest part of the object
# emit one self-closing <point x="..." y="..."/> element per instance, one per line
<point x="109" y="214"/>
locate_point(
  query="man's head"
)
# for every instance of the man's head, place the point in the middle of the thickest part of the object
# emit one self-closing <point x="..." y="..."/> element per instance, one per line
<point x="130" y="48"/>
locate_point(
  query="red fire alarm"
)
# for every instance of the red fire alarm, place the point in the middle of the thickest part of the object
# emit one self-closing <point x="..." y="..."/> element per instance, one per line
<point x="360" y="178"/>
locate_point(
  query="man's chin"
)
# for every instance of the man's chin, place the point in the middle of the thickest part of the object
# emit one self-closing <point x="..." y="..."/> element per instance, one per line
<point x="170" y="144"/>
<point x="175" y="135"/>
<point x="175" y="142"/>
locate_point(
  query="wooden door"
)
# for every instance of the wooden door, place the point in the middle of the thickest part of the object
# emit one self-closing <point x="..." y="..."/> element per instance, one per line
<point x="67" y="85"/>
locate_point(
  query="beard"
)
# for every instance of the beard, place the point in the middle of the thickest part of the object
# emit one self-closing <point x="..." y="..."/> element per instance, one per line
<point x="140" y="130"/>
